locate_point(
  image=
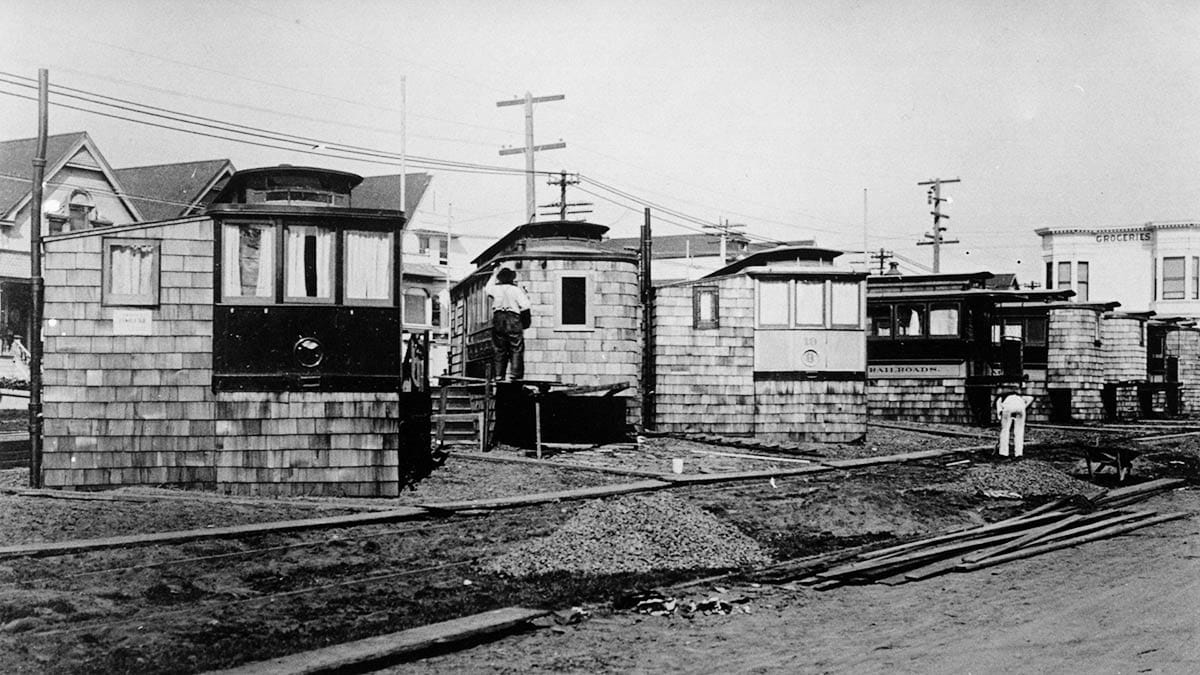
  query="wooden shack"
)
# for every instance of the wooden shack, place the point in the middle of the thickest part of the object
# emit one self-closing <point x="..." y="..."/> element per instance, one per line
<point x="254" y="349"/>
<point x="586" y="308"/>
<point x="771" y="346"/>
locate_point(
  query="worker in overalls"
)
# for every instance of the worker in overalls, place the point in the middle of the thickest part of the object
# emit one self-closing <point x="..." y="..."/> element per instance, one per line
<point x="510" y="317"/>
<point x="1011" y="408"/>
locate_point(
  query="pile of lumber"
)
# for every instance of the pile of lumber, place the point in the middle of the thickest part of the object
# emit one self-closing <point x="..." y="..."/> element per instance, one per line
<point x="1050" y="527"/>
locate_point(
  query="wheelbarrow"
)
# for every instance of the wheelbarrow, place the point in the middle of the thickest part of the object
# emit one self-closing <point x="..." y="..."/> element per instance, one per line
<point x="1120" y="459"/>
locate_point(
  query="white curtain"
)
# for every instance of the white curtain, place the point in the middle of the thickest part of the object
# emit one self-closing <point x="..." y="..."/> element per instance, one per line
<point x="368" y="263"/>
<point x="248" y="261"/>
<point x="294" y="279"/>
<point x="132" y="268"/>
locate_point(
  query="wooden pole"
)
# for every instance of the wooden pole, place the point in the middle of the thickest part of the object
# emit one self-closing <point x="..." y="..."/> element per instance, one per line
<point x="36" y="284"/>
<point x="649" y="373"/>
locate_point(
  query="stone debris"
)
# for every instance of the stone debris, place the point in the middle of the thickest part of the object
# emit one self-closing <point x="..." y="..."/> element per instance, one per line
<point x="654" y="603"/>
<point x="1026" y="477"/>
<point x="634" y="533"/>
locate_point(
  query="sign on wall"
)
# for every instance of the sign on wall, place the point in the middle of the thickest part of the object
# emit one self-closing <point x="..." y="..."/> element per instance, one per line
<point x="900" y="371"/>
<point x="132" y="322"/>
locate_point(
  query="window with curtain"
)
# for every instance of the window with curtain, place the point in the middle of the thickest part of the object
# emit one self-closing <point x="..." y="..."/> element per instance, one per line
<point x="943" y="319"/>
<point x="415" y="307"/>
<point x="248" y="261"/>
<point x="910" y="320"/>
<point x="308" y="263"/>
<point x="810" y="303"/>
<point x="880" y="319"/>
<point x="368" y="275"/>
<point x="772" y="303"/>
<point x="845" y="298"/>
<point x="131" y="272"/>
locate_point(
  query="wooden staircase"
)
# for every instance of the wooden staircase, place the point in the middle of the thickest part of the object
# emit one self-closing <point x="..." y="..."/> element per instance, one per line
<point x="462" y="414"/>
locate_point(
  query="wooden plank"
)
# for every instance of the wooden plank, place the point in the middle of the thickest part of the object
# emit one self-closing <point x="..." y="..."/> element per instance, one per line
<point x="504" y="459"/>
<point x="1016" y="522"/>
<point x="1168" y="437"/>
<point x="738" y="455"/>
<point x="375" y="651"/>
<point x="180" y="536"/>
<point x="1036" y="534"/>
<point x="1159" y="485"/>
<point x="544" y="497"/>
<point x="1075" y="541"/>
<point x="928" y="431"/>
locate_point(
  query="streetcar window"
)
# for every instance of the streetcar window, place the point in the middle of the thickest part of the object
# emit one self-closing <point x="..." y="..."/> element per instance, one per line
<point x="845" y="300"/>
<point x="368" y="267"/>
<point x="810" y="303"/>
<point x="248" y="261"/>
<point x="773" y="303"/>
<point x="910" y="320"/>
<point x="880" y="317"/>
<point x="943" y="319"/>
<point x="308" y="263"/>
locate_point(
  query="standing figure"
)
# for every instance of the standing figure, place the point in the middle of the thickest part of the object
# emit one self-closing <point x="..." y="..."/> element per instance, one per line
<point x="510" y="317"/>
<point x="1010" y="408"/>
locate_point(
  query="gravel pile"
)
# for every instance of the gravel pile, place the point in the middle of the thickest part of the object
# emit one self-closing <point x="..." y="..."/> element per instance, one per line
<point x="635" y="533"/>
<point x="1027" y="477"/>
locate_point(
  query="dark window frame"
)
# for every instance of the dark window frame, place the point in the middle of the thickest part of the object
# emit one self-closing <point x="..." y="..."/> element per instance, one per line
<point x="698" y="295"/>
<point x="1174" y="287"/>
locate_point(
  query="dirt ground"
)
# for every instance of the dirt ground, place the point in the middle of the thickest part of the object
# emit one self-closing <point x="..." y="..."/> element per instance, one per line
<point x="1130" y="604"/>
<point x="213" y="604"/>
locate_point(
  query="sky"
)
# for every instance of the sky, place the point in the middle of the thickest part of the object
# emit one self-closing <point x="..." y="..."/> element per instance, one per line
<point x="799" y="120"/>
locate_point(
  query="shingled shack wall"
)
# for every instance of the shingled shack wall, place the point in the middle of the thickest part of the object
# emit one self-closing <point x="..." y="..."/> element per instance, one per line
<point x="140" y="409"/>
<point x="705" y="377"/>
<point x="938" y="401"/>
<point x="1124" y="355"/>
<point x="1074" y="360"/>
<point x="1185" y="343"/>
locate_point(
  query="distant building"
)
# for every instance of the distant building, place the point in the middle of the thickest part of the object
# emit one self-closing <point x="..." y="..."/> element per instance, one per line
<point x="681" y="257"/>
<point x="1149" y="267"/>
<point x="81" y="192"/>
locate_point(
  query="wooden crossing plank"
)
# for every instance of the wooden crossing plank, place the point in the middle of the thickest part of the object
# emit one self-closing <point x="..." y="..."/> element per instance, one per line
<point x="544" y="497"/>
<point x="180" y="536"/>
<point x="503" y="459"/>
<point x="382" y="648"/>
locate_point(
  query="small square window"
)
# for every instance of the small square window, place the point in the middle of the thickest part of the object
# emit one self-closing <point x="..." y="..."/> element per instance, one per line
<point x="248" y="262"/>
<point x="706" y="308"/>
<point x="810" y="303"/>
<point x="368" y="268"/>
<point x="131" y="272"/>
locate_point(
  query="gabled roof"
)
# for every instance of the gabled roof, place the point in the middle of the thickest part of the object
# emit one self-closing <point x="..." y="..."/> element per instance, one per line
<point x="166" y="191"/>
<point x="16" y="165"/>
<point x="383" y="192"/>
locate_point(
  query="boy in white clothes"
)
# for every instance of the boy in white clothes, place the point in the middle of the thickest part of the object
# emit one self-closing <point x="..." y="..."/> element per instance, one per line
<point x="1010" y="408"/>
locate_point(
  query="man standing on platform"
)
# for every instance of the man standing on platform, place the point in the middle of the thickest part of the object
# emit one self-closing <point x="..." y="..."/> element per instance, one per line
<point x="510" y="317"/>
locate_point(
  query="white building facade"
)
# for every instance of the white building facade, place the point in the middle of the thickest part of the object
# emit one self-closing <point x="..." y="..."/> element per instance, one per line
<point x="1150" y="267"/>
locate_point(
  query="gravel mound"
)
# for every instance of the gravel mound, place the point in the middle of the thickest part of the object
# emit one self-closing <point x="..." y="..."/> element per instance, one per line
<point x="1028" y="478"/>
<point x="635" y="533"/>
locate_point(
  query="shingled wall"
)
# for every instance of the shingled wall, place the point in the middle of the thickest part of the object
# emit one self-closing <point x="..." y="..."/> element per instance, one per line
<point x="126" y="410"/>
<point x="1124" y="356"/>
<point x="1185" y="343"/>
<point x="939" y="401"/>
<point x="705" y="377"/>
<point x="1074" y="360"/>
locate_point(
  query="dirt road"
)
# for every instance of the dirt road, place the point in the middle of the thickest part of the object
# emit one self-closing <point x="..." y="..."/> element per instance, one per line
<point x="1129" y="604"/>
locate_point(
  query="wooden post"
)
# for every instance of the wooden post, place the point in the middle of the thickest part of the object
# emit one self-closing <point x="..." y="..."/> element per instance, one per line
<point x="537" y="423"/>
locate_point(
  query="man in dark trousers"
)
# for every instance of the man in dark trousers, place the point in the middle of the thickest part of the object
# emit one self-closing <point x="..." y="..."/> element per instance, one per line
<point x="510" y="318"/>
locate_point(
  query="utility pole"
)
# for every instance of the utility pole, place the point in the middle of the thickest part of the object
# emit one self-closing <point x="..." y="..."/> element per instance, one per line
<point x="562" y="205"/>
<point x="934" y="197"/>
<point x="883" y="256"/>
<point x="724" y="228"/>
<point x="36" y="284"/>
<point x="649" y="372"/>
<point x="530" y="148"/>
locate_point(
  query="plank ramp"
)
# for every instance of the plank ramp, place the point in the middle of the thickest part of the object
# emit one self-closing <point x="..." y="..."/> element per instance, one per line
<point x="180" y="536"/>
<point x="393" y="646"/>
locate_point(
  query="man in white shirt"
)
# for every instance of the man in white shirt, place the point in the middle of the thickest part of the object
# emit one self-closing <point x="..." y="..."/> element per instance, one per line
<point x="510" y="317"/>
